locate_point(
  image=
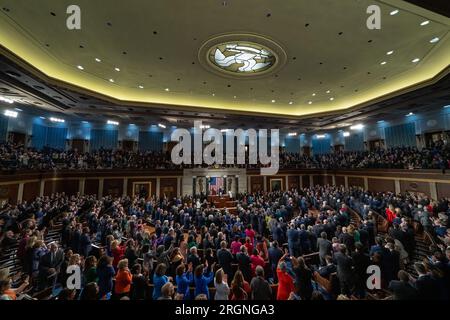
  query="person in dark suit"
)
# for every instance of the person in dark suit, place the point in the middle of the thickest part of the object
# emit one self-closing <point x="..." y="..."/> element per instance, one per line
<point x="244" y="262"/>
<point x="275" y="254"/>
<point x="293" y="241"/>
<point x="225" y="258"/>
<point x="325" y="247"/>
<point x="85" y="243"/>
<point x="50" y="265"/>
<point x="344" y="270"/>
<point x="361" y="261"/>
<point x="427" y="287"/>
<point x="402" y="289"/>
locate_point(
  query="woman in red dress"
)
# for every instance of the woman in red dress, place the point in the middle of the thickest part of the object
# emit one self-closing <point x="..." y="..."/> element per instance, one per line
<point x="285" y="281"/>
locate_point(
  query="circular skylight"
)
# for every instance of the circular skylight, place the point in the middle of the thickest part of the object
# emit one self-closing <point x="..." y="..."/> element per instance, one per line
<point x="241" y="57"/>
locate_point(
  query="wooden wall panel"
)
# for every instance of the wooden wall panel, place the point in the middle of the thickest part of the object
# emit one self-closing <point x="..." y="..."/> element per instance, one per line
<point x="340" y="181"/>
<point x="293" y="182"/>
<point x="68" y="186"/>
<point x="355" y="182"/>
<point x="305" y="181"/>
<point x="318" y="180"/>
<point x="415" y="186"/>
<point x="131" y="182"/>
<point x="256" y="183"/>
<point x="9" y="192"/>
<point x="381" y="185"/>
<point x="31" y="190"/>
<point x="168" y="186"/>
<point x="91" y="187"/>
<point x="274" y="179"/>
<point x="443" y="190"/>
<point x="113" y="187"/>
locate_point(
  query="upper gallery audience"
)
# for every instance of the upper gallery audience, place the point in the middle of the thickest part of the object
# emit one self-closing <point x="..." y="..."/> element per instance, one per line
<point x="16" y="157"/>
<point x="159" y="242"/>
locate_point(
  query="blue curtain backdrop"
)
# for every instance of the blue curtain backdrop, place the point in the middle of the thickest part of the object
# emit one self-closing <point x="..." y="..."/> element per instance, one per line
<point x="3" y="128"/>
<point x="321" y="146"/>
<point x="292" y="144"/>
<point x="355" y="142"/>
<point x="150" y="141"/>
<point x="52" y="137"/>
<point x="403" y="135"/>
<point x="106" y="139"/>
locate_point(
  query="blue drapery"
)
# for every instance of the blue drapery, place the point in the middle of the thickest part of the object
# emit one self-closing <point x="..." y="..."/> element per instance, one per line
<point x="321" y="146"/>
<point x="292" y="145"/>
<point x="3" y="128"/>
<point x="403" y="135"/>
<point x="354" y="142"/>
<point x="150" y="141"/>
<point x="52" y="137"/>
<point x="106" y="139"/>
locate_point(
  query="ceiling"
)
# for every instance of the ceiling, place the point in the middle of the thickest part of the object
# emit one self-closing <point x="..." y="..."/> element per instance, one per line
<point x="156" y="45"/>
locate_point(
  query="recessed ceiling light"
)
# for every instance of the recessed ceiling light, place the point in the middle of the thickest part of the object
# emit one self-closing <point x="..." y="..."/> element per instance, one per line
<point x="290" y="102"/>
<point x="141" y="87"/>
<point x="117" y="69"/>
<point x="416" y="60"/>
<point x="434" y="40"/>
<point x="410" y="114"/>
<point x="114" y="123"/>
<point x="393" y="13"/>
<point x="273" y="101"/>
<point x="425" y="23"/>
<point x="80" y="67"/>
<point x="313" y="94"/>
<point x="43" y="118"/>
<point x="167" y="89"/>
<point x="383" y="63"/>
<point x="390" y="52"/>
<point x="331" y="99"/>
<point x="111" y="80"/>
<point x="161" y="125"/>
<point x="309" y="102"/>
<point x="98" y="60"/>
<point x="10" y="113"/>
<point x="328" y="91"/>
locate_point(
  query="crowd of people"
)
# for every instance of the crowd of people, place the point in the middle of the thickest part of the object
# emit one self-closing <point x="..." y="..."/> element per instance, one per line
<point x="15" y="157"/>
<point x="185" y="248"/>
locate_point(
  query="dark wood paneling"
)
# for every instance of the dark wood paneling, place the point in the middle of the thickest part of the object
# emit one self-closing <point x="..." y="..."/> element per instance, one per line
<point x="133" y="180"/>
<point x="305" y="182"/>
<point x="168" y="186"/>
<point x="9" y="192"/>
<point x="275" y="178"/>
<point x="443" y="190"/>
<point x="31" y="190"/>
<point x="113" y="187"/>
<point x="91" y="186"/>
<point x="256" y="183"/>
<point x="293" y="182"/>
<point x="415" y="186"/>
<point x="340" y="180"/>
<point x="318" y="180"/>
<point x="69" y="187"/>
<point x="381" y="185"/>
<point x="355" y="182"/>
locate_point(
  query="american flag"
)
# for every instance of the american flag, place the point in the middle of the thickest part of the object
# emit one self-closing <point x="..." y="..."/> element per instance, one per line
<point x="215" y="183"/>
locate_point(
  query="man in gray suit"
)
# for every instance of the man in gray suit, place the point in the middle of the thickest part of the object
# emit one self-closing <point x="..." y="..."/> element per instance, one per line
<point x="325" y="247"/>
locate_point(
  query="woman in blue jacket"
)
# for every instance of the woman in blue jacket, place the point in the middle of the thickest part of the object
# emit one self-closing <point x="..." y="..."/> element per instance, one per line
<point x="159" y="279"/>
<point x="184" y="280"/>
<point x="202" y="278"/>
